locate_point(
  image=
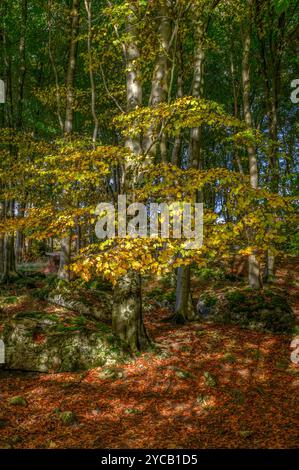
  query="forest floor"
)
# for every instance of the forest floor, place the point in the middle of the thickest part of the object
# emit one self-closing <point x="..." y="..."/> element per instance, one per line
<point x="210" y="386"/>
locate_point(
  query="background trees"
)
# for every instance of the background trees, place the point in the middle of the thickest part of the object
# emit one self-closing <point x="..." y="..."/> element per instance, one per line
<point x="204" y="85"/>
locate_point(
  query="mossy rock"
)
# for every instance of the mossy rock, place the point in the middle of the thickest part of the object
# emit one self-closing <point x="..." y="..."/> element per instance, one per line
<point x="68" y="417"/>
<point x="18" y="401"/>
<point x="43" y="343"/>
<point x="85" y="302"/>
<point x="268" y="310"/>
<point x="210" y="380"/>
<point x="112" y="373"/>
<point x="10" y="300"/>
<point x="184" y="374"/>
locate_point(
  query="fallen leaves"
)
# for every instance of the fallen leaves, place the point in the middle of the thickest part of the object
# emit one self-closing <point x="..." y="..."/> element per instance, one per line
<point x="153" y="401"/>
<point x="219" y="387"/>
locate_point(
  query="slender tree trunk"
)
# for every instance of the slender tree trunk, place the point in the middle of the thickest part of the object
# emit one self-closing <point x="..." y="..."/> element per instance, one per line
<point x="254" y="278"/>
<point x="2" y="211"/>
<point x="70" y="76"/>
<point x="78" y="231"/>
<point x="160" y="80"/>
<point x="65" y="255"/>
<point x="236" y="157"/>
<point x="177" y="147"/>
<point x="22" y="66"/>
<point x="57" y="88"/>
<point x="184" y="308"/>
<point x="20" y="237"/>
<point x="91" y="74"/>
<point x="127" y="321"/>
<point x="9" y="259"/>
<point x="65" y="258"/>
<point x="197" y="92"/>
<point x="271" y="68"/>
<point x="8" y="114"/>
<point x="16" y="245"/>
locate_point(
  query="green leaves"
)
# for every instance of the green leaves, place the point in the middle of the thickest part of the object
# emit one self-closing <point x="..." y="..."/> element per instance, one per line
<point x="183" y="113"/>
<point x="281" y="5"/>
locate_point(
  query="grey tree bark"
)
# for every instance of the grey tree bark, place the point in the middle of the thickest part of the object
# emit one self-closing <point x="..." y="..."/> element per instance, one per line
<point x="271" y="70"/>
<point x="70" y="75"/>
<point x="9" y="270"/>
<point x="127" y="321"/>
<point x="254" y="278"/>
<point x="184" y="308"/>
<point x="55" y="72"/>
<point x="160" y="79"/>
<point x="22" y="66"/>
<point x="88" y="7"/>
<point x="65" y="256"/>
<point x="177" y="146"/>
<point x="8" y="244"/>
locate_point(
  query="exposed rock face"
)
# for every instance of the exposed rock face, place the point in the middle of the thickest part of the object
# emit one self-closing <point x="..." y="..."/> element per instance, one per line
<point x="100" y="307"/>
<point x="46" y="345"/>
<point x="202" y="308"/>
<point x="267" y="310"/>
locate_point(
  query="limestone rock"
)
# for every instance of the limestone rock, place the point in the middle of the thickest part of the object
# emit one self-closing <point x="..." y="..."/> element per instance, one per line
<point x="46" y="345"/>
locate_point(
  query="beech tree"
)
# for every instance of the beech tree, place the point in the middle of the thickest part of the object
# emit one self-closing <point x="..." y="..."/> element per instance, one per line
<point x="164" y="101"/>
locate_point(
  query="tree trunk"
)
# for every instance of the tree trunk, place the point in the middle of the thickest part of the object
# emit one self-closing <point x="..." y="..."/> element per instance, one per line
<point x="91" y="74"/>
<point x="197" y="92"/>
<point x="177" y="146"/>
<point x="127" y="321"/>
<point x="65" y="259"/>
<point x="22" y="66"/>
<point x="271" y="69"/>
<point x="184" y="309"/>
<point x="9" y="261"/>
<point x="9" y="272"/>
<point x="55" y="72"/>
<point x="65" y="256"/>
<point x="160" y="80"/>
<point x="8" y="113"/>
<point x="9" y="257"/>
<point x="253" y="264"/>
<point x="70" y="76"/>
<point x="236" y="158"/>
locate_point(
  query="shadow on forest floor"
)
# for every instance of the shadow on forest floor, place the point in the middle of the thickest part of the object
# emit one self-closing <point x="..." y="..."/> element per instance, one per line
<point x="210" y="386"/>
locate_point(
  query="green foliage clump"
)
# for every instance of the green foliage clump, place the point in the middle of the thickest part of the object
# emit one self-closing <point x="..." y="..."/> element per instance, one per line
<point x="10" y="300"/>
<point x="268" y="310"/>
<point x="210" y="380"/>
<point x="209" y="274"/>
<point x="170" y="296"/>
<point x="235" y="297"/>
<point x="37" y="316"/>
<point x="209" y="299"/>
<point x="67" y="417"/>
<point x="99" y="284"/>
<point x="160" y="294"/>
<point x="18" y="401"/>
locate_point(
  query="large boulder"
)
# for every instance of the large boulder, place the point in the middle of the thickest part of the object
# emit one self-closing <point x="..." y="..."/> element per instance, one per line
<point x="85" y="301"/>
<point x="36" y="341"/>
<point x="266" y="310"/>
